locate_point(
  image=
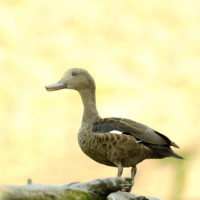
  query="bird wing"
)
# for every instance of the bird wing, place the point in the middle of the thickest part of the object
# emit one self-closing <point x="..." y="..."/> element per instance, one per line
<point x="141" y="132"/>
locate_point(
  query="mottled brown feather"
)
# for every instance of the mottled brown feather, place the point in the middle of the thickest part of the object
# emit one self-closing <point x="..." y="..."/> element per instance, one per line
<point x="111" y="149"/>
<point x="139" y="131"/>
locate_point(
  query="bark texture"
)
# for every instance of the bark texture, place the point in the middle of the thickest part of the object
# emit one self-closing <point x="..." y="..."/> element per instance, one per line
<point x="99" y="189"/>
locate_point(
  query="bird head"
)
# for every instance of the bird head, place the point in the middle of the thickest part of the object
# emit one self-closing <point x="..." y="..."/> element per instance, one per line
<point x="74" y="78"/>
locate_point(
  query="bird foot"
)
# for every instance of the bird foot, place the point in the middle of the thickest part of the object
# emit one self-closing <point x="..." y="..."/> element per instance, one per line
<point x="128" y="187"/>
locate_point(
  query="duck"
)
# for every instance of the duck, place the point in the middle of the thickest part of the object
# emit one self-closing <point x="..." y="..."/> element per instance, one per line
<point x="112" y="141"/>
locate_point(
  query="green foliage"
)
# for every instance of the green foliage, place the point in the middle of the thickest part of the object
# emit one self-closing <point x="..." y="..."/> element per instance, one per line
<point x="181" y="167"/>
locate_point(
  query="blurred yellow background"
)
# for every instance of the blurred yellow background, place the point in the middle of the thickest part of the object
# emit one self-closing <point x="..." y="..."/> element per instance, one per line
<point x="145" y="58"/>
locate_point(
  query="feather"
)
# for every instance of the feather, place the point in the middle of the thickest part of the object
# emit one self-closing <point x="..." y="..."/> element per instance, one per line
<point x="145" y="135"/>
<point x="116" y="132"/>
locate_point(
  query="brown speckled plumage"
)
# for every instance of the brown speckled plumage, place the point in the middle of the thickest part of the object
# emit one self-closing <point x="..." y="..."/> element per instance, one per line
<point x="96" y="139"/>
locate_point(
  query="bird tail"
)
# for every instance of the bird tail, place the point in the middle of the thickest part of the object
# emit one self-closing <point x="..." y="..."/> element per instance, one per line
<point x="163" y="150"/>
<point x="175" y="155"/>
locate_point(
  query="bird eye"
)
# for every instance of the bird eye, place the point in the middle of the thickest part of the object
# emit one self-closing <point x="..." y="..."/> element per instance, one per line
<point x="74" y="73"/>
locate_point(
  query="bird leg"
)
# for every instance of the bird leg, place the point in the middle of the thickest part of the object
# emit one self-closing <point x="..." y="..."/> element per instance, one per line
<point x="119" y="173"/>
<point x="133" y="172"/>
<point x="120" y="170"/>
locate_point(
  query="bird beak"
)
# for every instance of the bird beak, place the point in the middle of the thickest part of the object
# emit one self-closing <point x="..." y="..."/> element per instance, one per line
<point x="56" y="86"/>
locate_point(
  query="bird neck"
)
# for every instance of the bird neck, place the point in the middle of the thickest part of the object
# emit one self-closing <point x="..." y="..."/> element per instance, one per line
<point x="90" y="113"/>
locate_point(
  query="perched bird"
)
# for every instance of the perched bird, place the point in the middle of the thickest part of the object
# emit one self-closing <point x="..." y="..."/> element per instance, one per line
<point x="116" y="142"/>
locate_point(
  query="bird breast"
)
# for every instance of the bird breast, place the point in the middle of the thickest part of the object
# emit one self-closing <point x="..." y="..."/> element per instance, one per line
<point x="111" y="149"/>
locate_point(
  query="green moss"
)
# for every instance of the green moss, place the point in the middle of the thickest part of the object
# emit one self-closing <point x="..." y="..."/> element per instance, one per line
<point x="76" y="195"/>
<point x="79" y="195"/>
<point x="129" y="181"/>
<point x="36" y="197"/>
<point x="68" y="195"/>
<point x="96" y="191"/>
<point x="141" y="198"/>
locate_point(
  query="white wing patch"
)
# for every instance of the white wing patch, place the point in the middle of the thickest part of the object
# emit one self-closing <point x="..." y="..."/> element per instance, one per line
<point x="120" y="132"/>
<point x="116" y="132"/>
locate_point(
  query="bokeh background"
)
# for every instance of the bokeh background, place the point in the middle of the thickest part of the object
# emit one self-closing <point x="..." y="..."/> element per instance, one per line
<point x="145" y="58"/>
